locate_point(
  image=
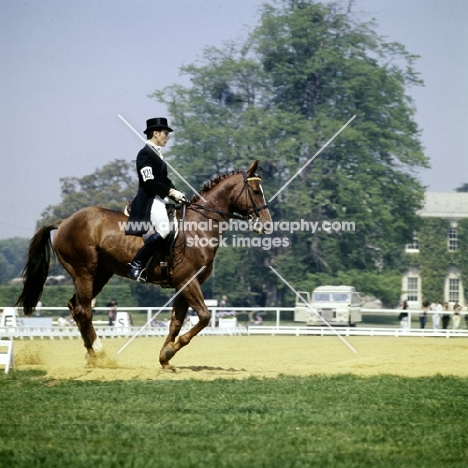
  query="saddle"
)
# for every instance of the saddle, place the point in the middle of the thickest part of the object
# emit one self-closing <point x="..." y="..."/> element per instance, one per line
<point x="165" y="256"/>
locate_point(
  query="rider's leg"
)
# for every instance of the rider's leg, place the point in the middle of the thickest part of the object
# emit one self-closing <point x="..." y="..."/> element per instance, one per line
<point x="143" y="257"/>
<point x="152" y="239"/>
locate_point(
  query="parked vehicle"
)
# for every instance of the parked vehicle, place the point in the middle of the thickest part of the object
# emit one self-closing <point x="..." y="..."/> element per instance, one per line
<point x="338" y="305"/>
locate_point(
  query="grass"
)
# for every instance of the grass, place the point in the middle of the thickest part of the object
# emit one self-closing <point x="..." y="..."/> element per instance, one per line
<point x="318" y="421"/>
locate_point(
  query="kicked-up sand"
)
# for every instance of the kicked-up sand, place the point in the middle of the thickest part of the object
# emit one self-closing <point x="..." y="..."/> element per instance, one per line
<point x="240" y="357"/>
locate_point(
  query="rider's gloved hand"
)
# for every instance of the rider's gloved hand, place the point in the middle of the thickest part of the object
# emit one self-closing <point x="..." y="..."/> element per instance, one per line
<point x="177" y="196"/>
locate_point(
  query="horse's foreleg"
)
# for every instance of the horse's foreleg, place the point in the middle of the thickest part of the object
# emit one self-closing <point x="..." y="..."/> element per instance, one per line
<point x="204" y="320"/>
<point x="192" y="295"/>
<point x="179" y="312"/>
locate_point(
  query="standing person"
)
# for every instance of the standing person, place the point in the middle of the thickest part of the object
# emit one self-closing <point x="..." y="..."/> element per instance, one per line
<point x="62" y="321"/>
<point x="149" y="206"/>
<point x="223" y="301"/>
<point x="436" y="308"/>
<point x="423" y="314"/>
<point x="403" y="317"/>
<point x="258" y="320"/>
<point x="221" y="307"/>
<point x="446" y="316"/>
<point x="456" y="316"/>
<point x="112" y="312"/>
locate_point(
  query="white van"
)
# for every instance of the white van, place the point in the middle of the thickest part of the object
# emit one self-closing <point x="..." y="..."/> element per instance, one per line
<point x="338" y="305"/>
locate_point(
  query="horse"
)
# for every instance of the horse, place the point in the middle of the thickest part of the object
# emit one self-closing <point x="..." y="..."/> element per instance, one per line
<point x="92" y="246"/>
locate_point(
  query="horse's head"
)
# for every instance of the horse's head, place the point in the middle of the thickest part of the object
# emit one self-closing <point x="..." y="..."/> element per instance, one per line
<point x="249" y="199"/>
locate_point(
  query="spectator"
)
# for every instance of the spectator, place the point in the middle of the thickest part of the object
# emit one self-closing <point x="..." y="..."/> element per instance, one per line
<point x="160" y="324"/>
<point x="423" y="314"/>
<point x="456" y="316"/>
<point x="62" y="321"/>
<point x="112" y="312"/>
<point x="403" y="317"/>
<point x="436" y="308"/>
<point x="446" y="316"/>
<point x="258" y="320"/>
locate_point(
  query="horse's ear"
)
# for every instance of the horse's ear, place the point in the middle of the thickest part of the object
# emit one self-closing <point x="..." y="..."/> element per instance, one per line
<point x="252" y="169"/>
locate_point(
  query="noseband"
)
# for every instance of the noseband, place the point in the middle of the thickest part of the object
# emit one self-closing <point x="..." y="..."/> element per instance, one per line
<point x="255" y="209"/>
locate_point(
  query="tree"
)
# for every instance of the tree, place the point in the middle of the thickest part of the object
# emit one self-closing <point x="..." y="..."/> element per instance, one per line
<point x="12" y="258"/>
<point x="110" y="187"/>
<point x="303" y="72"/>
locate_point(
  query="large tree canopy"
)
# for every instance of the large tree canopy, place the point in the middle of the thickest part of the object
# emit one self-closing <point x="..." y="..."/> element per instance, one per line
<point x="279" y="97"/>
<point x="12" y="258"/>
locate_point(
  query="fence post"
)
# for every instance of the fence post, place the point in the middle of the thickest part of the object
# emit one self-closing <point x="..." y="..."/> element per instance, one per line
<point x="213" y="319"/>
<point x="277" y="318"/>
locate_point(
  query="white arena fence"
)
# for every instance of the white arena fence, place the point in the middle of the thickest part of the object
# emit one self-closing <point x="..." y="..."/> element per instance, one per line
<point x="46" y="327"/>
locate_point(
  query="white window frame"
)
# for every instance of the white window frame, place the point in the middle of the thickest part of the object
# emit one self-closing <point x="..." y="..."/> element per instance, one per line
<point x="413" y="247"/>
<point x="453" y="243"/>
<point x="412" y="290"/>
<point x="454" y="293"/>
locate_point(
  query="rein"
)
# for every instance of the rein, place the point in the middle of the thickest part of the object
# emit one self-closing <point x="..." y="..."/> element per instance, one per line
<point x="248" y="216"/>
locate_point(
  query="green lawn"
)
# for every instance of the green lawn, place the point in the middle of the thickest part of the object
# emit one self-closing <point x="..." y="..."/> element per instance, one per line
<point x="338" y="421"/>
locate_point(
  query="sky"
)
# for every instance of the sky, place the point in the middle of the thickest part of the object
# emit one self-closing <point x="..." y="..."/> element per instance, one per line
<point x="70" y="68"/>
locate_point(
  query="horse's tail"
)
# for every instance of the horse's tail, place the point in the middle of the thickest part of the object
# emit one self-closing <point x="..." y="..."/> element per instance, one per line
<point x="37" y="268"/>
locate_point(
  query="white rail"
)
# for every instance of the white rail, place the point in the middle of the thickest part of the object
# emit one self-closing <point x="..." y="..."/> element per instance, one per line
<point x="355" y="331"/>
<point x="104" y="331"/>
<point x="72" y="332"/>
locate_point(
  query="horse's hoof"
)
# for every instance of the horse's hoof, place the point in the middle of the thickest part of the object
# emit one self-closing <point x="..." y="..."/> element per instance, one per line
<point x="100" y="359"/>
<point x="168" y="368"/>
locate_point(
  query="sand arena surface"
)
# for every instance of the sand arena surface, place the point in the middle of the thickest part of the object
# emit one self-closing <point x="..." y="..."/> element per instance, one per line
<point x="239" y="357"/>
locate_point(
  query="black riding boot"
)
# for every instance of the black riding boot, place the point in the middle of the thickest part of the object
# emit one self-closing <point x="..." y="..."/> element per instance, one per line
<point x="139" y="263"/>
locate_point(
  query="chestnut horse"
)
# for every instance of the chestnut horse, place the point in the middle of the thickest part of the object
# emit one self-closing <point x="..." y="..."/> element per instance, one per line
<point x="92" y="246"/>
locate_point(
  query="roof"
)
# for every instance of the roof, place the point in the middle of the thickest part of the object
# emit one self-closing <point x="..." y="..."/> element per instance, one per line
<point x="451" y="205"/>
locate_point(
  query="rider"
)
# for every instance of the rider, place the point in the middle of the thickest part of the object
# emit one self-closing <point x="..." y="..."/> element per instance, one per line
<point x="149" y="206"/>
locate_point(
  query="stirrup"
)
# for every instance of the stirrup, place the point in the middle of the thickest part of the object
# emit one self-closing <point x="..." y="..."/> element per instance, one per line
<point x="142" y="275"/>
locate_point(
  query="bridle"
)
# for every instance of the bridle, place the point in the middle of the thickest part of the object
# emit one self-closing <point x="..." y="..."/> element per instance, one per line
<point x="255" y="209"/>
<point x="179" y="248"/>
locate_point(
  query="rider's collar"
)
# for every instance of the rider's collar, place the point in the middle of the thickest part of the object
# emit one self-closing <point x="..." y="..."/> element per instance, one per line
<point x="156" y="147"/>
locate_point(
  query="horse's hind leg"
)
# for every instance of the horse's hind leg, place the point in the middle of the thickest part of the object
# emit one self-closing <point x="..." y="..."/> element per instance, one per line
<point x="88" y="288"/>
<point x="80" y="307"/>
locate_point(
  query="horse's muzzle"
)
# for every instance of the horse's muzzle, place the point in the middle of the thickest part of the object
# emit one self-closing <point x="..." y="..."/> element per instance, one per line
<point x="258" y="226"/>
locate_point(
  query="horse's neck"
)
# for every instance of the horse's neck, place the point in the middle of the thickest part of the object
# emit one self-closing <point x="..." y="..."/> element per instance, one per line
<point x="217" y="203"/>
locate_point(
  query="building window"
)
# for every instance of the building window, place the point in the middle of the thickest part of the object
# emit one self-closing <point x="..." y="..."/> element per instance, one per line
<point x="453" y="239"/>
<point x="412" y="288"/>
<point x="413" y="246"/>
<point x="454" y="290"/>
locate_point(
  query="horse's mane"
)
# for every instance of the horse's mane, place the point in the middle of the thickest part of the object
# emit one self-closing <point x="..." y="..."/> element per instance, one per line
<point x="212" y="183"/>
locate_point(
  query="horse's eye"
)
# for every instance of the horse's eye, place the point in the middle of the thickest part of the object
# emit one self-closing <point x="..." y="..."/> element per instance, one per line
<point x="256" y="192"/>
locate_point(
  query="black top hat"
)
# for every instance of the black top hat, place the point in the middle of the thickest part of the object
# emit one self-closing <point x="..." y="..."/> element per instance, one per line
<point x="158" y="123"/>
